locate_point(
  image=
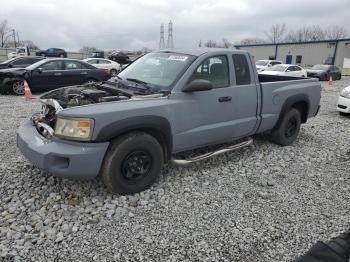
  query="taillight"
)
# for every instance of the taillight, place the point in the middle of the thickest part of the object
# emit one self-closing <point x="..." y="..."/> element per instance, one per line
<point x="107" y="72"/>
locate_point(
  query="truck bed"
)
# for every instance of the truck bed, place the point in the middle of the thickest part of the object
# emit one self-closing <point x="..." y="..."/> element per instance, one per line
<point x="276" y="90"/>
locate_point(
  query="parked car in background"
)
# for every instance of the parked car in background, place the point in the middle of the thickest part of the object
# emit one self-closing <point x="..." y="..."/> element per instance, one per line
<point x="119" y="57"/>
<point x="285" y="70"/>
<point x="261" y="65"/>
<point x="50" y="74"/>
<point x="20" y="51"/>
<point x="343" y="105"/>
<point x="103" y="63"/>
<point x="324" y="72"/>
<point x="98" y="54"/>
<point x="52" y="52"/>
<point x="20" y="62"/>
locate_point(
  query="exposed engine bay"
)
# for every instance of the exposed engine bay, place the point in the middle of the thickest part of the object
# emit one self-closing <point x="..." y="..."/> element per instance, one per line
<point x="72" y="96"/>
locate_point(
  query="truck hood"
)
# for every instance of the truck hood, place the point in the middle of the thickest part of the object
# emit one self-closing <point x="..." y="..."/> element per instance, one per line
<point x="86" y="101"/>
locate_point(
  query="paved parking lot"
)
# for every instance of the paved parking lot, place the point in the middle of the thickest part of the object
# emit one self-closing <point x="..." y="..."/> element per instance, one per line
<point x="263" y="203"/>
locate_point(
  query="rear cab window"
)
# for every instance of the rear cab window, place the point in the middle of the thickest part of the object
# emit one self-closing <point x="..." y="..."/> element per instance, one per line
<point x="242" y="70"/>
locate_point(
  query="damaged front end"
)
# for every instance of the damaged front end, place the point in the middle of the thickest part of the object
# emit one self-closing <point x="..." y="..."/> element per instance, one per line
<point x="72" y="96"/>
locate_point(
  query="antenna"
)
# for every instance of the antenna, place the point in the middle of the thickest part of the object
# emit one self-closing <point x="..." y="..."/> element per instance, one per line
<point x="170" y="43"/>
<point x="161" y="42"/>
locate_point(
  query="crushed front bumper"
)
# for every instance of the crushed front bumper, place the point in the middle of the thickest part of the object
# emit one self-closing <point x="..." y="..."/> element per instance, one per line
<point x="59" y="157"/>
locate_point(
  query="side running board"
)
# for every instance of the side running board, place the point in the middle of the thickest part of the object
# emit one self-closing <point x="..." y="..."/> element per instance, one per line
<point x="184" y="162"/>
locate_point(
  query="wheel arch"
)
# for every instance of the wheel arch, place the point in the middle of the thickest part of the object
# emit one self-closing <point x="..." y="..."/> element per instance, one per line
<point x="156" y="126"/>
<point x="301" y="102"/>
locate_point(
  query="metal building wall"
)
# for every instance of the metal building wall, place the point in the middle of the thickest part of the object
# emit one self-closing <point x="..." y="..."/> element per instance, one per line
<point x="343" y="51"/>
<point x="311" y="54"/>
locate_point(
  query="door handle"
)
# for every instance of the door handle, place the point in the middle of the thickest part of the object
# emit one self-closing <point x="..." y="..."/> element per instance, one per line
<point x="83" y="73"/>
<point x="225" y="99"/>
<point x="57" y="74"/>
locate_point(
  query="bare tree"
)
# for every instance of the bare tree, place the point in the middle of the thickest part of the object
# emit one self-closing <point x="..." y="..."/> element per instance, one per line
<point x="210" y="43"/>
<point x="306" y="33"/>
<point x="252" y="41"/>
<point x="200" y="43"/>
<point x="276" y="33"/>
<point x="335" y="32"/>
<point x="225" y="43"/>
<point x="3" y="33"/>
<point x="88" y="49"/>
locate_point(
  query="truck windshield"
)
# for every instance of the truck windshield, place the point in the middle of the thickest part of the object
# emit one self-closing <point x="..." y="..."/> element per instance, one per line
<point x="159" y="70"/>
<point x="261" y="63"/>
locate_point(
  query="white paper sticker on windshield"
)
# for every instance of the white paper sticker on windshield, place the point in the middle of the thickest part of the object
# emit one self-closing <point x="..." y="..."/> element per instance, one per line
<point x="178" y="57"/>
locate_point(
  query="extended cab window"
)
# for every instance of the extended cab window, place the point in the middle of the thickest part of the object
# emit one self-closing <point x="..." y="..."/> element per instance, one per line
<point x="215" y="70"/>
<point x="241" y="69"/>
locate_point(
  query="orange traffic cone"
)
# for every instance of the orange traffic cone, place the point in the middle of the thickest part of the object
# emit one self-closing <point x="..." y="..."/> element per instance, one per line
<point x="27" y="93"/>
<point x="330" y="82"/>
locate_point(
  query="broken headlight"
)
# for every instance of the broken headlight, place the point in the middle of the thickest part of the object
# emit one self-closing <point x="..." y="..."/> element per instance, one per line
<point x="74" y="128"/>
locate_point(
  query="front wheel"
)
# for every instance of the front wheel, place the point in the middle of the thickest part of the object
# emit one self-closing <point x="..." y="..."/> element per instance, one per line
<point x="132" y="164"/>
<point x="288" y="129"/>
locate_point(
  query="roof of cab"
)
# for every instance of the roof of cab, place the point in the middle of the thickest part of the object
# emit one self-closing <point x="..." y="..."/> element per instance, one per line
<point x="199" y="51"/>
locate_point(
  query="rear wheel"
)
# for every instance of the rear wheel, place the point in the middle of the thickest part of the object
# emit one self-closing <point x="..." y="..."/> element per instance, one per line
<point x="61" y="55"/>
<point x="113" y="72"/>
<point x="288" y="129"/>
<point x="18" y="88"/>
<point x="132" y="163"/>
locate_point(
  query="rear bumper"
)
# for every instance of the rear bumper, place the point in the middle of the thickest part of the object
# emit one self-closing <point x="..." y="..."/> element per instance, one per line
<point x="343" y="104"/>
<point x="60" y="158"/>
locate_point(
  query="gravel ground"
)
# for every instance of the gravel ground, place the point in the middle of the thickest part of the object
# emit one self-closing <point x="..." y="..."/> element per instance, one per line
<point x="263" y="203"/>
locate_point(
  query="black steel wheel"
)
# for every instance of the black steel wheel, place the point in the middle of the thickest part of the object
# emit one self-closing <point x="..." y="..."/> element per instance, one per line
<point x="287" y="130"/>
<point x="132" y="164"/>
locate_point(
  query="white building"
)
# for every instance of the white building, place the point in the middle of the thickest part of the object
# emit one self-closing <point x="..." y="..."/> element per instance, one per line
<point x="336" y="52"/>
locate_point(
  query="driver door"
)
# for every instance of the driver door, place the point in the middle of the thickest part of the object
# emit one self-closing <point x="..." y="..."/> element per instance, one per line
<point x="47" y="76"/>
<point x="227" y="111"/>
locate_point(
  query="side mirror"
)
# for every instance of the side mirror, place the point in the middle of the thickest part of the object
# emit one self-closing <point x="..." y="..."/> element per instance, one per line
<point x="39" y="70"/>
<point x="9" y="65"/>
<point x="197" y="85"/>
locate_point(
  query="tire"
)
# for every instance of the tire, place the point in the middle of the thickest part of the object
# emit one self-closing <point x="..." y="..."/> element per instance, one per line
<point x="18" y="88"/>
<point x="339" y="77"/>
<point x="62" y="55"/>
<point x="120" y="172"/>
<point x="113" y="72"/>
<point x="288" y="129"/>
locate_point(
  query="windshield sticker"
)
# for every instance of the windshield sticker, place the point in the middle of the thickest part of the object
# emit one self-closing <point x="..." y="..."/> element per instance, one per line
<point x="177" y="58"/>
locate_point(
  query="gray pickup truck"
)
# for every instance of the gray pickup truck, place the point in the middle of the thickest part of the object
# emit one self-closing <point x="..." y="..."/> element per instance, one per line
<point x="164" y="103"/>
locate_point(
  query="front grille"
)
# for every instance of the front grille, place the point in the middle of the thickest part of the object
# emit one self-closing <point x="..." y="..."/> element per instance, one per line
<point x="342" y="107"/>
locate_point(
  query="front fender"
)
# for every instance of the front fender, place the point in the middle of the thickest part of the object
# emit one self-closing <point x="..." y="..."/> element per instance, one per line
<point x="155" y="124"/>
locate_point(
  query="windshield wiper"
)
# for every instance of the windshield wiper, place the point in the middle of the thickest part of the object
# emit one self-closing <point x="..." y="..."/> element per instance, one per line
<point x="137" y="81"/>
